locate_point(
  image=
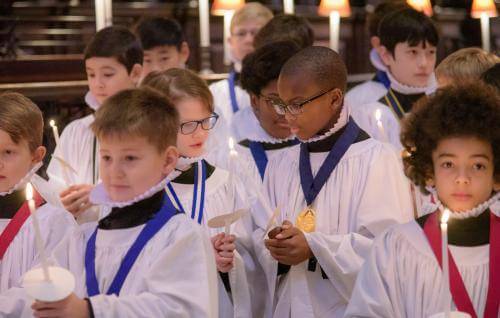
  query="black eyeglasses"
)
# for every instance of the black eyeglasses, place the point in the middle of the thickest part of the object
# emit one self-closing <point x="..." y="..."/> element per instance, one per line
<point x="190" y="127"/>
<point x="295" y="108"/>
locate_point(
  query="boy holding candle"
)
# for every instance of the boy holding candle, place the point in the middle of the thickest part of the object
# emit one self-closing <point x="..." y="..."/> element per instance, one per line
<point x="113" y="60"/>
<point x="21" y="155"/>
<point x="265" y="133"/>
<point x="454" y="155"/>
<point x="163" y="43"/>
<point x="408" y="41"/>
<point x="328" y="190"/>
<point x="145" y="258"/>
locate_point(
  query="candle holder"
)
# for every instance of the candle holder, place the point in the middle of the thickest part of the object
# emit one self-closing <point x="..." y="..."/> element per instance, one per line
<point x="60" y="285"/>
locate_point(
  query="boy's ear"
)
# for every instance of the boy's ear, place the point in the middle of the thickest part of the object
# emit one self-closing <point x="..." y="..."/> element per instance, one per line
<point x="254" y="102"/>
<point x="135" y="74"/>
<point x="184" y="52"/>
<point x="429" y="182"/>
<point x="337" y="98"/>
<point x="38" y="154"/>
<point x="385" y="55"/>
<point x="171" y="155"/>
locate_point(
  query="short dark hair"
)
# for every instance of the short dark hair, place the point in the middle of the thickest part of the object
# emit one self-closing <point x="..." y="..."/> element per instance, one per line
<point x="463" y="110"/>
<point x="141" y="112"/>
<point x="492" y="76"/>
<point x="407" y="25"/>
<point x="117" y="42"/>
<point x="381" y="10"/>
<point x="322" y="64"/>
<point x="286" y="27"/>
<point x="154" y="32"/>
<point x="264" y="65"/>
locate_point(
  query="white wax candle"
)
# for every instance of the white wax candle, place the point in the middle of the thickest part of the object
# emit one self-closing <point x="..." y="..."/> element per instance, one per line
<point x="228" y="15"/>
<point x="485" y="31"/>
<point x="444" y="251"/>
<point x="52" y="124"/>
<point x="38" y="235"/>
<point x="288" y="7"/>
<point x="55" y="131"/>
<point x="204" y="15"/>
<point x="334" y="30"/>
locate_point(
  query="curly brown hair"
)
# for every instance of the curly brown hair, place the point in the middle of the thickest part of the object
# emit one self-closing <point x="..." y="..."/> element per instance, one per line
<point x="467" y="109"/>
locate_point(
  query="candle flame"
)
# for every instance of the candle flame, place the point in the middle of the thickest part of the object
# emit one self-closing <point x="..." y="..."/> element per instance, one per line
<point x="29" y="191"/>
<point x="445" y="216"/>
<point x="378" y="114"/>
<point x="231" y="143"/>
<point x="52" y="123"/>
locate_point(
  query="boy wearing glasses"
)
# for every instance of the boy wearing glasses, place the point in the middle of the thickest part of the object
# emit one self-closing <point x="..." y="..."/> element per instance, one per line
<point x="229" y="97"/>
<point x="265" y="133"/>
<point x="329" y="191"/>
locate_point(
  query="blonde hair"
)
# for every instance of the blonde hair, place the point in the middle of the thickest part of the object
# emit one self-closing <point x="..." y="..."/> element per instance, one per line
<point x="21" y="119"/>
<point x="177" y="84"/>
<point x="252" y="11"/>
<point x="466" y="64"/>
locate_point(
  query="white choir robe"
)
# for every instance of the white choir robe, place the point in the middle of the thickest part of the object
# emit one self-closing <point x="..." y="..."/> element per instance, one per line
<point x="351" y="209"/>
<point x="222" y="99"/>
<point x="402" y="279"/>
<point x="224" y="194"/>
<point x="174" y="276"/>
<point x="76" y="148"/>
<point x="368" y="91"/>
<point x="22" y="254"/>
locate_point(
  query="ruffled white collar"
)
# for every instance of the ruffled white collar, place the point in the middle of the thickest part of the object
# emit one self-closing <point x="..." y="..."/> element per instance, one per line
<point x="185" y="162"/>
<point x="247" y="126"/>
<point x="341" y="122"/>
<point x="377" y="61"/>
<point x="493" y="203"/>
<point x="99" y="196"/>
<point x="91" y="101"/>
<point x="24" y="180"/>
<point x="408" y="90"/>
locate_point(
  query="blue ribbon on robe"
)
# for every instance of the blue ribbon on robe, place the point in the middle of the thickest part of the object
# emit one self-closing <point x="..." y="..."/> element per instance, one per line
<point x="232" y="91"/>
<point x="382" y="78"/>
<point x="259" y="156"/>
<point x="311" y="186"/>
<point x="195" y="192"/>
<point x="152" y="227"/>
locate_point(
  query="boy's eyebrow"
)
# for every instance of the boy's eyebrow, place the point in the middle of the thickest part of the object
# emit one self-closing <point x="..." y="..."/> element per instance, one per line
<point x="480" y="155"/>
<point x="445" y="154"/>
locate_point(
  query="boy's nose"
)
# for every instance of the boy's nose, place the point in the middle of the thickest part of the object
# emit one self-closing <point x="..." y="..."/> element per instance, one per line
<point x="462" y="177"/>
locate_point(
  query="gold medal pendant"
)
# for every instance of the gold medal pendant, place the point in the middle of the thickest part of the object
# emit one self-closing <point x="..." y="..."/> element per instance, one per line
<point x="306" y="220"/>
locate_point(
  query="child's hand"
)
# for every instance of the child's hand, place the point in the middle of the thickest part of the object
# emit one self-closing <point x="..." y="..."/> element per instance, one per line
<point x="290" y="246"/>
<point x="224" y="251"/>
<point x="71" y="307"/>
<point x="76" y="198"/>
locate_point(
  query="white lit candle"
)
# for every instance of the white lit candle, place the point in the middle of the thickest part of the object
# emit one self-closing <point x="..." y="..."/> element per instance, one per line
<point x="485" y="31"/>
<point x="55" y="131"/>
<point x="204" y="14"/>
<point x="288" y="7"/>
<point x="334" y="30"/>
<point x="444" y="251"/>
<point x="228" y="15"/>
<point x="38" y="235"/>
<point x="378" y="118"/>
